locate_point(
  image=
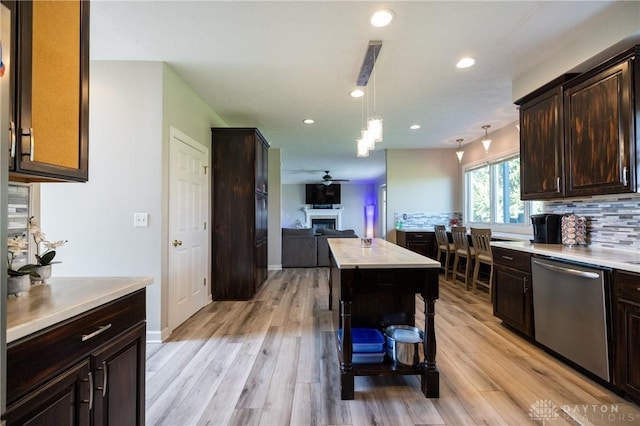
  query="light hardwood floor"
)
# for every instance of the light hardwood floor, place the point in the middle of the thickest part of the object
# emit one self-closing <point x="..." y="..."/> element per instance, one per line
<point x="273" y="361"/>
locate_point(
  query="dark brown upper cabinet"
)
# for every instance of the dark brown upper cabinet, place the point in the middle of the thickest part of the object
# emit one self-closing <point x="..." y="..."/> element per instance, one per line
<point x="542" y="142"/>
<point x="578" y="134"/>
<point x="599" y="134"/>
<point x="51" y="101"/>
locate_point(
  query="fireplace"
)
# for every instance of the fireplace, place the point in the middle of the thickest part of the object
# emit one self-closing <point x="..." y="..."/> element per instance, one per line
<point x="318" y="224"/>
<point x="335" y="215"/>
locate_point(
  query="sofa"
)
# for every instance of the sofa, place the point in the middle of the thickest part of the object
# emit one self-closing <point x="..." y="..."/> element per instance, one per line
<point x="302" y="249"/>
<point x="299" y="248"/>
<point x="323" y="244"/>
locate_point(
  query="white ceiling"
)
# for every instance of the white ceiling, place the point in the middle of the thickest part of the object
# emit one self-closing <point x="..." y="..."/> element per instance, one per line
<point x="271" y="64"/>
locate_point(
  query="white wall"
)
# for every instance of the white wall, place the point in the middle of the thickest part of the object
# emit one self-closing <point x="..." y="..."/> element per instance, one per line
<point x="620" y="25"/>
<point x="125" y="176"/>
<point x="274" y="209"/>
<point x="132" y="105"/>
<point x="421" y="180"/>
<point x="354" y="197"/>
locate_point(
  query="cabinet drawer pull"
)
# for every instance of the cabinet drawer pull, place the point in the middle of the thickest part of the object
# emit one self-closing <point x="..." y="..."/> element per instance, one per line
<point x="507" y="257"/>
<point x="100" y="329"/>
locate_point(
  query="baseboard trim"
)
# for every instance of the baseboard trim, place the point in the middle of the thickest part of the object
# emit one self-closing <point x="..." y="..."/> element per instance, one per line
<point x="275" y="267"/>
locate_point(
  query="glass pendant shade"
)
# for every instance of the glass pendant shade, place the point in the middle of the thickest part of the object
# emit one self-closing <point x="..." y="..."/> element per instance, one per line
<point x="459" y="154"/>
<point x="362" y="149"/>
<point x="368" y="138"/>
<point x="486" y="143"/>
<point x="374" y="126"/>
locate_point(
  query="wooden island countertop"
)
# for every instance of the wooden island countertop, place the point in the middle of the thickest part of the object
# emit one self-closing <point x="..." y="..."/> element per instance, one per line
<point x="348" y="253"/>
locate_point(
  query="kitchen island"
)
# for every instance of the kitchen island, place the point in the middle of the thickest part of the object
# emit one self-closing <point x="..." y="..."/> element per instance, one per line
<point x="376" y="287"/>
<point x="76" y="352"/>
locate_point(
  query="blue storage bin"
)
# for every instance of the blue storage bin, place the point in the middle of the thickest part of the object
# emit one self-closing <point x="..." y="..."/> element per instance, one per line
<point x="365" y="340"/>
<point x="367" y="357"/>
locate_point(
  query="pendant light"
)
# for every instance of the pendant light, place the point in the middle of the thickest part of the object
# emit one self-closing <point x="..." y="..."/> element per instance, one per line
<point x="486" y="142"/>
<point x="374" y="123"/>
<point x="460" y="151"/>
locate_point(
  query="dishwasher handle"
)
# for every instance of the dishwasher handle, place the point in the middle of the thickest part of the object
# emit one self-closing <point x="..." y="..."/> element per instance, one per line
<point x="570" y="271"/>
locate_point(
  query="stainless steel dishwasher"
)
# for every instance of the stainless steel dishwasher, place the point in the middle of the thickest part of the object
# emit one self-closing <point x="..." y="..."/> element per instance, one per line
<point x="570" y="313"/>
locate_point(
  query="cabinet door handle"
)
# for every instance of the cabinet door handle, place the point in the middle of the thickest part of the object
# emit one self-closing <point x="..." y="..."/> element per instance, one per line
<point x="524" y="285"/>
<point x="103" y="388"/>
<point x="100" y="329"/>
<point x="557" y="184"/>
<point x="90" y="401"/>
<point x="31" y="144"/>
<point x="12" y="138"/>
<point x="625" y="173"/>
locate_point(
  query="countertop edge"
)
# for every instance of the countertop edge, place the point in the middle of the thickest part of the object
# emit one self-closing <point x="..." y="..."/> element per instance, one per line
<point x="118" y="287"/>
<point x="623" y="260"/>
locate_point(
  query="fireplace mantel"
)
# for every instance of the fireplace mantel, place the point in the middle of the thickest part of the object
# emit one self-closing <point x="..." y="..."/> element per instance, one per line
<point x="310" y="214"/>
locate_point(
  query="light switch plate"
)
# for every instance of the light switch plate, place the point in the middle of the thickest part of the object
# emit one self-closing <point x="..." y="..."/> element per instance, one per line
<point x="141" y="220"/>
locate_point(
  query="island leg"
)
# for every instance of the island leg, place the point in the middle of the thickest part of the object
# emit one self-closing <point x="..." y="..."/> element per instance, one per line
<point x="431" y="375"/>
<point x="346" y="367"/>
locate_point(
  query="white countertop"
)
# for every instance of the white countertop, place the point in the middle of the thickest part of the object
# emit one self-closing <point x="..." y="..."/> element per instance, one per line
<point x="625" y="260"/>
<point x="507" y="236"/>
<point x="349" y="253"/>
<point x="62" y="298"/>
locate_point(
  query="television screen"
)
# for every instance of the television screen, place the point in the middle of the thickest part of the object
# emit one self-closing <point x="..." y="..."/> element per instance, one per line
<point x="318" y="193"/>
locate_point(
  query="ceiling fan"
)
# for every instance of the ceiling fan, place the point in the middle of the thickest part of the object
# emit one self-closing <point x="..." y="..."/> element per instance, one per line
<point x="327" y="179"/>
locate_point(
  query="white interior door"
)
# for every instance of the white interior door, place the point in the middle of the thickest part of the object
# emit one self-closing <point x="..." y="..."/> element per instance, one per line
<point x="188" y="213"/>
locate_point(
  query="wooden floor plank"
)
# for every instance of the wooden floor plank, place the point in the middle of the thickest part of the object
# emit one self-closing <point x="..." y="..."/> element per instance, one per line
<point x="273" y="361"/>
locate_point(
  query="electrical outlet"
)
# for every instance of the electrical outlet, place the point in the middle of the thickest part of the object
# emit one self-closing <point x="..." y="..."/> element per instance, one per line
<point x="141" y="220"/>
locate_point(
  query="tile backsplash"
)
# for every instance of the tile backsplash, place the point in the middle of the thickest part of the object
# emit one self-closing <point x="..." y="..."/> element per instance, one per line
<point x="612" y="221"/>
<point x="404" y="220"/>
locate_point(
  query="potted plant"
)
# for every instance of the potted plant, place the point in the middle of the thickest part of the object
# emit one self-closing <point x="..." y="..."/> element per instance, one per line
<point x="45" y="252"/>
<point x="18" y="278"/>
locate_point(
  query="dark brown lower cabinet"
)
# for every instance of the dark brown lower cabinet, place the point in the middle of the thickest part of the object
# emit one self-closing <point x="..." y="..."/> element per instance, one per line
<point x="421" y="242"/>
<point x="63" y="400"/>
<point x="627" y="333"/>
<point x="512" y="295"/>
<point x="88" y="370"/>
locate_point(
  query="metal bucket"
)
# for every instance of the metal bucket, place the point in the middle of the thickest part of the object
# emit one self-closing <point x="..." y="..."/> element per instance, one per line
<point x="404" y="344"/>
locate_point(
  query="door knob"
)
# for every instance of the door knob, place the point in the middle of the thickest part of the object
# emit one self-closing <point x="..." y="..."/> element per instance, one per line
<point x="176" y="243"/>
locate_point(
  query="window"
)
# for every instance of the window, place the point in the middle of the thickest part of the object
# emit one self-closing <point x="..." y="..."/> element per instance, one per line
<point x="492" y="194"/>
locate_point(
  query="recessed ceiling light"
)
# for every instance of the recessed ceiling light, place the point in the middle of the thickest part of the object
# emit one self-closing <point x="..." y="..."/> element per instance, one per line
<point x="414" y="126"/>
<point x="308" y="121"/>
<point x="357" y="93"/>
<point x="381" y="18"/>
<point x="466" y="62"/>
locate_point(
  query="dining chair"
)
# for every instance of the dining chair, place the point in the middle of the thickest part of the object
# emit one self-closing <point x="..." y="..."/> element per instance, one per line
<point x="444" y="247"/>
<point x="464" y="255"/>
<point x="481" y="240"/>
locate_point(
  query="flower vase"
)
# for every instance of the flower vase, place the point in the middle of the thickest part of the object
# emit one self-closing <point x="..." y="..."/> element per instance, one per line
<point x="17" y="285"/>
<point x="44" y="273"/>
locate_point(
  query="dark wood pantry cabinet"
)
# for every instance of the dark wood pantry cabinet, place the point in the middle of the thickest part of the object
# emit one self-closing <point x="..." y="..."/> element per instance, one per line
<point x="240" y="203"/>
<point x="512" y="295"/>
<point x="49" y="106"/>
